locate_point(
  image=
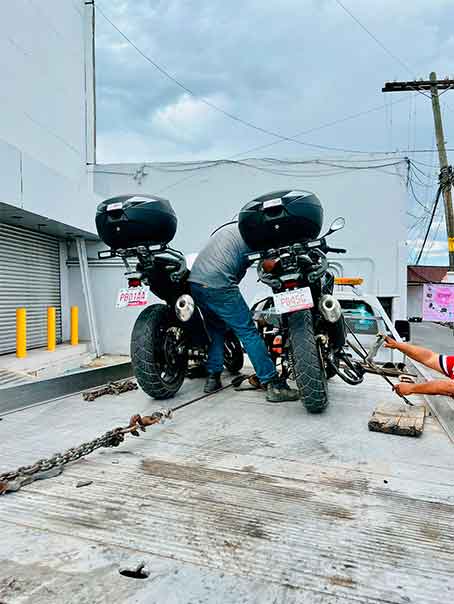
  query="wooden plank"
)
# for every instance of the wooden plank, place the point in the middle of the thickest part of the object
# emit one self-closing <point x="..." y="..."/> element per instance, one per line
<point x="398" y="418"/>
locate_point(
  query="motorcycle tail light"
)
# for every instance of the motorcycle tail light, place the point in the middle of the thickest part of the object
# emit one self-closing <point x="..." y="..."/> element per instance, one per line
<point x="134" y="282"/>
<point x="270" y="264"/>
<point x="290" y="284"/>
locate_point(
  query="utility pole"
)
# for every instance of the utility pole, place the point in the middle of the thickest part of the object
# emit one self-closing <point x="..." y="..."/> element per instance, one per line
<point x="433" y="85"/>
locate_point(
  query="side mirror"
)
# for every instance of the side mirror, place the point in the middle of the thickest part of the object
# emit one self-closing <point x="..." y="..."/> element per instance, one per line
<point x="336" y="225"/>
<point x="403" y="329"/>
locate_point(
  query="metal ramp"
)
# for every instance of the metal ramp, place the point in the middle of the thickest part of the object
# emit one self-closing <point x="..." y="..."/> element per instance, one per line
<point x="10" y="378"/>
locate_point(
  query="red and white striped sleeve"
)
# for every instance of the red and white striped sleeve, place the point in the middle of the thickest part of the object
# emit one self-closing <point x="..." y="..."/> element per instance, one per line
<point x="447" y="365"/>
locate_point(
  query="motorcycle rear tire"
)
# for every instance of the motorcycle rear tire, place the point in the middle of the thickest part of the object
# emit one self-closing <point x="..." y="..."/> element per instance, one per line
<point x="307" y="365"/>
<point x="148" y="357"/>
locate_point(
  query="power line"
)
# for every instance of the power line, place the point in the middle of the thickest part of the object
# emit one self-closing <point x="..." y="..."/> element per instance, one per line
<point x="415" y="167"/>
<point x="417" y="218"/>
<point x="415" y="197"/>
<point x="326" y="167"/>
<point x="419" y="227"/>
<point x="434" y="209"/>
<point x="440" y="220"/>
<point x="374" y="37"/>
<point x="416" y="224"/>
<point x="380" y="43"/>
<point x="322" y="126"/>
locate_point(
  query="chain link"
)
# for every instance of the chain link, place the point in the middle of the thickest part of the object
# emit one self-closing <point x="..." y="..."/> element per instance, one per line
<point x="112" y="438"/>
<point x="115" y="388"/>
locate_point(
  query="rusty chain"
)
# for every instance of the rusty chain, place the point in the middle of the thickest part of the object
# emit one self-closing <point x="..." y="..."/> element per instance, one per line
<point x="115" y="388"/>
<point x="13" y="481"/>
<point x="112" y="438"/>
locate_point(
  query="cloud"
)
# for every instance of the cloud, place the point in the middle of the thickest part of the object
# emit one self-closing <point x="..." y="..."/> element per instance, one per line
<point x="436" y="247"/>
<point x="188" y="120"/>
<point x="436" y="251"/>
<point x="286" y="66"/>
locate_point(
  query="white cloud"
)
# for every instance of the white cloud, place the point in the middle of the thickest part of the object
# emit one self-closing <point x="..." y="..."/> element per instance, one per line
<point x="188" y="119"/>
<point x="287" y="66"/>
<point x="435" y="251"/>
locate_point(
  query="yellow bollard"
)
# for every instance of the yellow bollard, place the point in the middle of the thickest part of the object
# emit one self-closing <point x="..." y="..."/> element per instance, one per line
<point x="51" y="328"/>
<point x="74" y="325"/>
<point x="21" y="333"/>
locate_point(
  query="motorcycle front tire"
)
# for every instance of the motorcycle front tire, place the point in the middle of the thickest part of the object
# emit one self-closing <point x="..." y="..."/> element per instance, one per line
<point x="307" y="365"/>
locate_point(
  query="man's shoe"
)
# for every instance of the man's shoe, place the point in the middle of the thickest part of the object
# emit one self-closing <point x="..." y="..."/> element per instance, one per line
<point x="213" y="383"/>
<point x="278" y="391"/>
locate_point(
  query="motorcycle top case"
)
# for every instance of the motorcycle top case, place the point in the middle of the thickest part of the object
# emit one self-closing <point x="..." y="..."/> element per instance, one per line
<point x="280" y="218"/>
<point x="127" y="221"/>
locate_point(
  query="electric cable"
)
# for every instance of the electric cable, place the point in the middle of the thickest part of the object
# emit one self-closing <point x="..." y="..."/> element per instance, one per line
<point x="435" y="205"/>
<point x="382" y="46"/>
<point x="434" y="238"/>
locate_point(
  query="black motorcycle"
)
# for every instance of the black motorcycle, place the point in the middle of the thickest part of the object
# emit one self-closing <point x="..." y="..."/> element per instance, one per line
<point x="166" y="338"/>
<point x="302" y="322"/>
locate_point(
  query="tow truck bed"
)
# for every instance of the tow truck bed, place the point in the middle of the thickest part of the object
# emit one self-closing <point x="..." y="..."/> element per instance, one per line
<point x="234" y="500"/>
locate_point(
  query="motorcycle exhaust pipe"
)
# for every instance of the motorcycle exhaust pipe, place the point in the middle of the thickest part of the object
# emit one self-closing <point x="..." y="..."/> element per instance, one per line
<point x="330" y="308"/>
<point x="184" y="307"/>
<point x="336" y="334"/>
<point x="332" y="313"/>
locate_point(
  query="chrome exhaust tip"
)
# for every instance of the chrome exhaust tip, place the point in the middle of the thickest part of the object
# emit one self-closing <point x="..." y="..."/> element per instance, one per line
<point x="184" y="307"/>
<point x="330" y="308"/>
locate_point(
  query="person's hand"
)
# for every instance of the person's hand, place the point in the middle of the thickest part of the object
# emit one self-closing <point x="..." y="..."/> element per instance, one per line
<point x="403" y="389"/>
<point x="390" y="342"/>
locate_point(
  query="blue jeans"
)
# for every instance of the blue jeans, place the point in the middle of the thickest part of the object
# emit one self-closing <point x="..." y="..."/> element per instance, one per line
<point x="225" y="308"/>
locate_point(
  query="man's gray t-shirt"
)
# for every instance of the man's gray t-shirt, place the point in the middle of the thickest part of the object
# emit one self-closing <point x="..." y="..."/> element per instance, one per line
<point x="223" y="262"/>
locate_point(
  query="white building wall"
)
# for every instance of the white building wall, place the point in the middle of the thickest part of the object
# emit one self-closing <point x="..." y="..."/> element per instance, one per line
<point x="415" y="300"/>
<point x="47" y="124"/>
<point x="43" y="150"/>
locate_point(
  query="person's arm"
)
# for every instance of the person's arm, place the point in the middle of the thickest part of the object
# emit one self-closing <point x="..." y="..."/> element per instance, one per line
<point x="417" y="353"/>
<point x="440" y="387"/>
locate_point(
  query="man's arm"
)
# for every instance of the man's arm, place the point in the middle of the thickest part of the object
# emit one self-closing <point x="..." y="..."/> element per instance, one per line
<point x="440" y="387"/>
<point x="417" y="353"/>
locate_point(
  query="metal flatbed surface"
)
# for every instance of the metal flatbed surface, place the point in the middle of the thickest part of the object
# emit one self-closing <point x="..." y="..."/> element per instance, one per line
<point x="234" y="500"/>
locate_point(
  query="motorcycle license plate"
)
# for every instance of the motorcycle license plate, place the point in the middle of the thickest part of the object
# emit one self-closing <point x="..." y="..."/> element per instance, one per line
<point x="132" y="297"/>
<point x="291" y="301"/>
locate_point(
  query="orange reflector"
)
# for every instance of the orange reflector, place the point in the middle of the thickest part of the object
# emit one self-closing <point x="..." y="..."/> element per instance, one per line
<point x="277" y="345"/>
<point x="348" y="281"/>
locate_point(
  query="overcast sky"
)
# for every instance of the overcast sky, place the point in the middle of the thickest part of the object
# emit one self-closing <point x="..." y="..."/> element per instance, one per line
<point x="286" y="66"/>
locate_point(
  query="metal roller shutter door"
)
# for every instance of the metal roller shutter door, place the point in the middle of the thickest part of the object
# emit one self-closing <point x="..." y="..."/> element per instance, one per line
<point x="29" y="278"/>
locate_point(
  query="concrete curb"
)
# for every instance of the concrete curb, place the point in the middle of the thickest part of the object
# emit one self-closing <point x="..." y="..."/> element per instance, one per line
<point x="26" y="395"/>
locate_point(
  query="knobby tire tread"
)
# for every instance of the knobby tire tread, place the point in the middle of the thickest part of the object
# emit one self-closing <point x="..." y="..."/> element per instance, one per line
<point x="145" y="345"/>
<point x="309" y="373"/>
